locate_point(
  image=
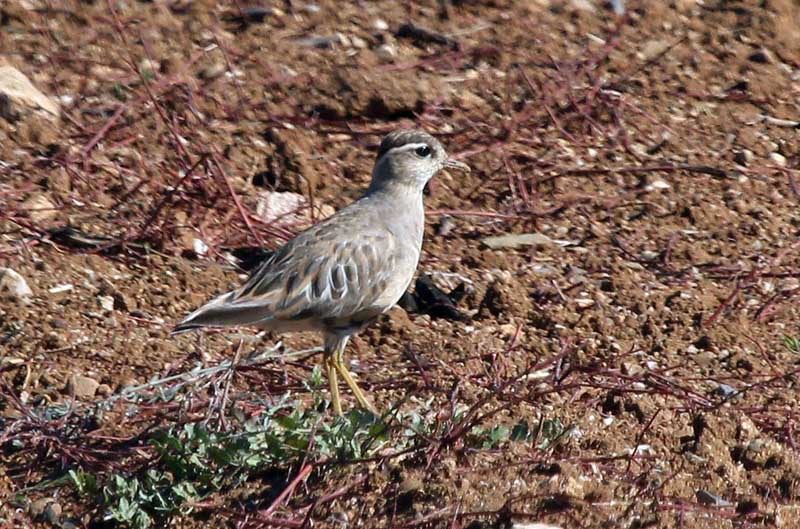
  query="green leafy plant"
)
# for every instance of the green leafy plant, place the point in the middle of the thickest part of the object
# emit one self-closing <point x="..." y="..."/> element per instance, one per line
<point x="190" y="461"/>
<point x="547" y="434"/>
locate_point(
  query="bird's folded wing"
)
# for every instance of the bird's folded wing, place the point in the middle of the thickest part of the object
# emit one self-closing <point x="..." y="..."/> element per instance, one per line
<point x="321" y="278"/>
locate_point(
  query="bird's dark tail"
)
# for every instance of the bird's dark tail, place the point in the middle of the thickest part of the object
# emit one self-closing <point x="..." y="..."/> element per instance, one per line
<point x="223" y="312"/>
<point x="184" y="327"/>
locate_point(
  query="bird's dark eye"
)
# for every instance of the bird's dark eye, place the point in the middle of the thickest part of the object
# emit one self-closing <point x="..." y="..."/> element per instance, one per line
<point x="423" y="151"/>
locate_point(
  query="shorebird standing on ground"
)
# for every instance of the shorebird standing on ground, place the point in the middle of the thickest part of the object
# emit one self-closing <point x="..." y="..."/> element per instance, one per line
<point x="341" y="274"/>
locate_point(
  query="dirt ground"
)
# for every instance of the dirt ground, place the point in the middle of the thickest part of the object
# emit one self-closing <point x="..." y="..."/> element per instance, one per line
<point x="654" y="154"/>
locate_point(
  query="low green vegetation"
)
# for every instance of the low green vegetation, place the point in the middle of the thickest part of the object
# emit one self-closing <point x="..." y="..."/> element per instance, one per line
<point x="180" y="466"/>
<point x="191" y="461"/>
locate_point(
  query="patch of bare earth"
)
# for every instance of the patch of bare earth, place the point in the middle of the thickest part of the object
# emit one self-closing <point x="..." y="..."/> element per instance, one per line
<point x="654" y="155"/>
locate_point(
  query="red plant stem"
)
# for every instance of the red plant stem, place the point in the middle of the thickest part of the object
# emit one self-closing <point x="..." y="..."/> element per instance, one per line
<point x="754" y="273"/>
<point x="667" y="168"/>
<point x="105" y="128"/>
<point x="235" y="197"/>
<point x="474" y="213"/>
<point x="303" y="474"/>
<point x="173" y="189"/>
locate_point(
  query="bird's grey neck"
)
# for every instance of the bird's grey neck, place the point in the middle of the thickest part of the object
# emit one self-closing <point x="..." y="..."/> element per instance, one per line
<point x="406" y="198"/>
<point x="398" y="189"/>
<point x="401" y="203"/>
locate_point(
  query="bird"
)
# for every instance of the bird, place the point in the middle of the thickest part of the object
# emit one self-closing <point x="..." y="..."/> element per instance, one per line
<point x="339" y="275"/>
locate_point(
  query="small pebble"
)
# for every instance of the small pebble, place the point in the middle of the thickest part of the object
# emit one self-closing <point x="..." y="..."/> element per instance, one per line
<point x="60" y="323"/>
<point x="14" y="284"/>
<point x="37" y="507"/>
<point x="584" y="303"/>
<point x="446" y="225"/>
<point x="581" y="5"/>
<point x="726" y="391"/>
<point x="53" y="513"/>
<point x="199" y="247"/>
<point x="82" y="387"/>
<point x="778" y="158"/>
<point x="146" y="66"/>
<point x="743" y="158"/>
<point x="386" y="52"/>
<point x="708" y="498"/>
<point x="517" y="240"/>
<point x="58" y="289"/>
<point x="106" y="303"/>
<point x="657" y="185"/>
<point x="358" y="42"/>
<point x="762" y="56"/>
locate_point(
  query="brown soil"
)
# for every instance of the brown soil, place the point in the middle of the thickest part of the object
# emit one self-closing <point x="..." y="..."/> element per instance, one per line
<point x="638" y="145"/>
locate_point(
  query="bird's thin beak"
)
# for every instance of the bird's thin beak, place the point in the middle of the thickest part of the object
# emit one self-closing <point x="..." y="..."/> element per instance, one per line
<point x="455" y="164"/>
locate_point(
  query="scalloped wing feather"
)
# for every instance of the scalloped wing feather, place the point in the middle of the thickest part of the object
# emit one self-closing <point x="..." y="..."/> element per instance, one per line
<point x="324" y="280"/>
<point x="316" y="280"/>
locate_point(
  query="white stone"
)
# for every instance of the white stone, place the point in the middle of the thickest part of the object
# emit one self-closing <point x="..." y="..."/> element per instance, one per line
<point x="106" y="302"/>
<point x="199" y="247"/>
<point x="39" y="207"/>
<point x="18" y="96"/>
<point x="653" y="48"/>
<point x="386" y="52"/>
<point x="584" y="302"/>
<point x="581" y="5"/>
<point x="778" y="158"/>
<point x="657" y="185"/>
<point x="14" y="284"/>
<point x="517" y="240"/>
<point x="81" y="386"/>
<point x="358" y="42"/>
<point x="288" y="209"/>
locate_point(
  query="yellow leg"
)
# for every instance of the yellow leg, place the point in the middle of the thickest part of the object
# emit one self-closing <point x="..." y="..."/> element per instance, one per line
<point x="330" y="366"/>
<point x="338" y="358"/>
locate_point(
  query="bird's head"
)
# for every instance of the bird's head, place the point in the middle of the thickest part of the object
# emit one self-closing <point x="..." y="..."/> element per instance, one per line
<point x="410" y="158"/>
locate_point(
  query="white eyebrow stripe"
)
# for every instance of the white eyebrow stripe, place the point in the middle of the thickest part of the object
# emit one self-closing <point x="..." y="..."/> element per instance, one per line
<point x="408" y="147"/>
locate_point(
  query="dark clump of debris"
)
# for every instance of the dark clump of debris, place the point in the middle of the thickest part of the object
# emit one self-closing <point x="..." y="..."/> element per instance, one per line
<point x="429" y="299"/>
<point x="249" y="258"/>
<point x="422" y="35"/>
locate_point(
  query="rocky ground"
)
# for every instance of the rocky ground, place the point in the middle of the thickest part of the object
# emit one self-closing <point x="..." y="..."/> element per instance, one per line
<point x="621" y="267"/>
